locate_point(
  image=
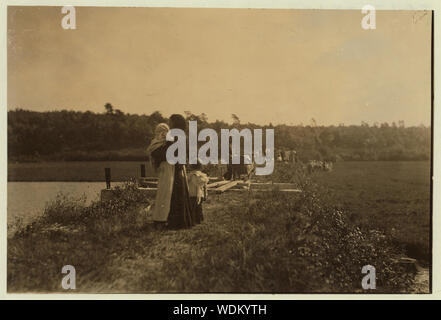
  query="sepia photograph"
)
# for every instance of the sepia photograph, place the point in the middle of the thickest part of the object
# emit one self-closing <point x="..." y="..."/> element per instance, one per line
<point x="219" y="150"/>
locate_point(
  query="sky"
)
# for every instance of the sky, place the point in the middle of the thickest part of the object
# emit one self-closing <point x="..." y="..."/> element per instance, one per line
<point x="278" y="66"/>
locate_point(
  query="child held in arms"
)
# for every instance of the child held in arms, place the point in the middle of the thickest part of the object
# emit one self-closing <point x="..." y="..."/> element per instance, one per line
<point x="197" y="187"/>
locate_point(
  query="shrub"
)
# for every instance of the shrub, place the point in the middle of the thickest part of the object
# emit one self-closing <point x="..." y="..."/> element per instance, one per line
<point x="333" y="249"/>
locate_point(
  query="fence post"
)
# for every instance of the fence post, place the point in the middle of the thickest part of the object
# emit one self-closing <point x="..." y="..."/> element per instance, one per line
<point x="142" y="170"/>
<point x="107" y="174"/>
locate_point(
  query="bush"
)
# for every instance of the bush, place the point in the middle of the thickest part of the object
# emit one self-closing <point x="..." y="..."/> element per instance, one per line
<point x="121" y="213"/>
<point x="334" y="250"/>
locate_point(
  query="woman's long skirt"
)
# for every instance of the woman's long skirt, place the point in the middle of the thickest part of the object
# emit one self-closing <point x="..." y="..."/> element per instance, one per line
<point x="180" y="209"/>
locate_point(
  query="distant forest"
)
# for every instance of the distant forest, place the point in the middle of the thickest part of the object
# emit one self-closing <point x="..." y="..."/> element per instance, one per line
<point x="114" y="135"/>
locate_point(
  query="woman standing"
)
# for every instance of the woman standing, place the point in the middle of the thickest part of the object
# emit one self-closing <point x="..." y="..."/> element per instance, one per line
<point x="179" y="215"/>
<point x="165" y="173"/>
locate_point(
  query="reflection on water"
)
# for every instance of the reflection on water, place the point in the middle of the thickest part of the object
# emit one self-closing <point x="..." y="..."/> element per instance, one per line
<point x="27" y="200"/>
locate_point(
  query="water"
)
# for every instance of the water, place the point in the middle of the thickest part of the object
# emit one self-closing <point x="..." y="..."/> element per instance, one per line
<point x="76" y="171"/>
<point x="27" y="200"/>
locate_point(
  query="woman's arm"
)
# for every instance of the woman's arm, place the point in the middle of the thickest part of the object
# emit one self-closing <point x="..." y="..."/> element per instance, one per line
<point x="159" y="155"/>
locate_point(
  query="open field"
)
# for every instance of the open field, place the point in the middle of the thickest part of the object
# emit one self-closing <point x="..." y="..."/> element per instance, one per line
<point x="391" y="196"/>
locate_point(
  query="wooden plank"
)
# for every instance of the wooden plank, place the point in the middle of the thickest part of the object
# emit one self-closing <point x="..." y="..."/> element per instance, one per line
<point x="217" y="184"/>
<point x="147" y="182"/>
<point x="290" y="190"/>
<point x="266" y="190"/>
<point x="156" y="178"/>
<point x="269" y="185"/>
<point x="227" y="186"/>
<point x="148" y="179"/>
<point x="153" y="182"/>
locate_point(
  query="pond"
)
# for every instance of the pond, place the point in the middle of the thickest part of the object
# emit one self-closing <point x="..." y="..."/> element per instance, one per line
<point x="27" y="200"/>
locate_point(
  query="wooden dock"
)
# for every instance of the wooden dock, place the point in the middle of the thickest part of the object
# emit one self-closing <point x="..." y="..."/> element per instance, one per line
<point x="148" y="186"/>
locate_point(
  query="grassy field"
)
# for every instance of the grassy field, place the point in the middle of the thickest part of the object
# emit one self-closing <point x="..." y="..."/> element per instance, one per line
<point x="316" y="241"/>
<point x="391" y="196"/>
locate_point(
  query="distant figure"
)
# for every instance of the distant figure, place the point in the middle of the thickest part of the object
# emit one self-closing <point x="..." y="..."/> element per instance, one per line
<point x="279" y="156"/>
<point x="179" y="215"/>
<point x="244" y="169"/>
<point x="286" y="155"/>
<point x="197" y="186"/>
<point x="236" y="171"/>
<point x="165" y="173"/>
<point x="314" y="165"/>
<point x="328" y="166"/>
<point x="229" y="174"/>
<point x="293" y="156"/>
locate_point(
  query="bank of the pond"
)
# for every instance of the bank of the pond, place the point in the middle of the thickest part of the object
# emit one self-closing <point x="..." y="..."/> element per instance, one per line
<point x="247" y="243"/>
<point x="26" y="201"/>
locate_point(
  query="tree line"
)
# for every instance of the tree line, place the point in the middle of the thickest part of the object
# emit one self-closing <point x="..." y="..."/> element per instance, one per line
<point x="115" y="135"/>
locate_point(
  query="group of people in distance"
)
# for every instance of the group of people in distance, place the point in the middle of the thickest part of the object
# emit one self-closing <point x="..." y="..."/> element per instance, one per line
<point x="179" y="197"/>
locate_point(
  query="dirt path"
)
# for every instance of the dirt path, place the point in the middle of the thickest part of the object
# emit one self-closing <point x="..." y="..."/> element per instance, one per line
<point x="133" y="273"/>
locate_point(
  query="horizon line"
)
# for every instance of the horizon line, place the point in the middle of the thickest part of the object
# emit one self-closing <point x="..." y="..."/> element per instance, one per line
<point x="301" y="124"/>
